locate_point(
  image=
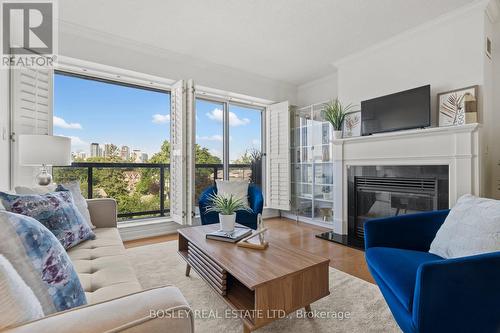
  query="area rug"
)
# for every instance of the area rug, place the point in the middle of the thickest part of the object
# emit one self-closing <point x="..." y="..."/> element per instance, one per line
<point x="353" y="305"/>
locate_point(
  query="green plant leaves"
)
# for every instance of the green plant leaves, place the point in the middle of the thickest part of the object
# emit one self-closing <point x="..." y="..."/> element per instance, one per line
<point x="226" y="204"/>
<point x="335" y="113"/>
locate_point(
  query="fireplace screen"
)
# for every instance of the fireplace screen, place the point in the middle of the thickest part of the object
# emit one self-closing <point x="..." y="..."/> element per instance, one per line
<point x="391" y="196"/>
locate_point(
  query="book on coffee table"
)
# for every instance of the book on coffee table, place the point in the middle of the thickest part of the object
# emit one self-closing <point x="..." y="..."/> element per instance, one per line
<point x="234" y="236"/>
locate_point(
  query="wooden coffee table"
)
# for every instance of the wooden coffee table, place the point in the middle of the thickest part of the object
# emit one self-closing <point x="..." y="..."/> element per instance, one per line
<point x="263" y="285"/>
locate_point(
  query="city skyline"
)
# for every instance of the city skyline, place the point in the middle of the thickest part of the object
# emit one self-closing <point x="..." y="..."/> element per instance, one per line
<point x="104" y="150"/>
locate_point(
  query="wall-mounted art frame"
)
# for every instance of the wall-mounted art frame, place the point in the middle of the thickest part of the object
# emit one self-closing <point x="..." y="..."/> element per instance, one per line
<point x="352" y="125"/>
<point x="451" y="105"/>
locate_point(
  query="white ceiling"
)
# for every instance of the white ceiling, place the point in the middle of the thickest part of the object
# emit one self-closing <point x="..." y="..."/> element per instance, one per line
<point x="288" y="40"/>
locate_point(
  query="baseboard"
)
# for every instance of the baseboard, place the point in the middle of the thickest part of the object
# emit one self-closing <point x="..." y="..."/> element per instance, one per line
<point x="268" y="213"/>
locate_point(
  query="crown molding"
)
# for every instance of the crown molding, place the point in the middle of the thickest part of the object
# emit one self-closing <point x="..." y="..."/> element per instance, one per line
<point x="320" y="80"/>
<point x="77" y="30"/>
<point x="493" y="10"/>
<point x="476" y="5"/>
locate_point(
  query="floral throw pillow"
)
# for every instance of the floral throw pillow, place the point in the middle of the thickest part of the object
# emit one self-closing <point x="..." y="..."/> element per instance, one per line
<point x="56" y="211"/>
<point x="41" y="261"/>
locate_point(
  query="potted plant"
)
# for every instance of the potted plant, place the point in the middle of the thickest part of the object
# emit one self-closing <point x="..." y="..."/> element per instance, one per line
<point x="335" y="113"/>
<point x="226" y="206"/>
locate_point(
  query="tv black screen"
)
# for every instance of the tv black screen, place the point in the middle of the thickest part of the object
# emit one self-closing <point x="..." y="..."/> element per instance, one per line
<point x="403" y="110"/>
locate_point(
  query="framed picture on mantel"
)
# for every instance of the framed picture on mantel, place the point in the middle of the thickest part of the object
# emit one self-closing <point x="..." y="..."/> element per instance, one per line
<point x="352" y="124"/>
<point x="458" y="107"/>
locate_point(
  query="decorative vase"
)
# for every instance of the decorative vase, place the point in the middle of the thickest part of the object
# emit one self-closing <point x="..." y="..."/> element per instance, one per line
<point x="337" y="135"/>
<point x="227" y="222"/>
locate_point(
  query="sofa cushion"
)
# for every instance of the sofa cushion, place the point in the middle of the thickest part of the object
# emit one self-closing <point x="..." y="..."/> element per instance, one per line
<point x="72" y="186"/>
<point x="103" y="266"/>
<point x="398" y="269"/>
<point x="80" y="201"/>
<point x="56" y="211"/>
<point x="41" y="261"/>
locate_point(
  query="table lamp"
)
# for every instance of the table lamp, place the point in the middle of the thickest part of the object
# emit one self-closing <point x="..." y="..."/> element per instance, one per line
<point x="43" y="151"/>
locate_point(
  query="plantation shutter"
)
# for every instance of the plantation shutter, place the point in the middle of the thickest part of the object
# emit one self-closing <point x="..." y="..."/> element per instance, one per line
<point x="278" y="156"/>
<point x="31" y="113"/>
<point x="177" y="155"/>
<point x="190" y="151"/>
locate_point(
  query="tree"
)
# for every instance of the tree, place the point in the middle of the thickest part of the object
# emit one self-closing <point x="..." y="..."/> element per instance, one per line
<point x="254" y="158"/>
<point x="150" y="178"/>
<point x="203" y="156"/>
<point x="143" y="193"/>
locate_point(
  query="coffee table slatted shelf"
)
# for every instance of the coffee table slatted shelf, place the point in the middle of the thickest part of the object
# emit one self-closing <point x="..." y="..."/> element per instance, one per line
<point x="259" y="283"/>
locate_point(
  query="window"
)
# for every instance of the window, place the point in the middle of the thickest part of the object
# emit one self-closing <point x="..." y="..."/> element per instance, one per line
<point x="209" y="148"/>
<point x="245" y="143"/>
<point x="120" y="136"/>
<point x="228" y="143"/>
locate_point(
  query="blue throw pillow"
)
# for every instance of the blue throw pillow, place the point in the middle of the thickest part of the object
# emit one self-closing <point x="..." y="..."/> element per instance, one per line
<point x="56" y="211"/>
<point x="41" y="261"/>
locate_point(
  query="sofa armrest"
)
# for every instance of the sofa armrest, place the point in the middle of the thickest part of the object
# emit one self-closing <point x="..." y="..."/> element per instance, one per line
<point x="458" y="295"/>
<point x="155" y="310"/>
<point x="103" y="212"/>
<point x="411" y="232"/>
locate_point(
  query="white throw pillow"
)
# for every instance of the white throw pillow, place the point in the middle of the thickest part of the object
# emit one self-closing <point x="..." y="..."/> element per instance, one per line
<point x="238" y="188"/>
<point x="73" y="187"/>
<point x="472" y="227"/>
<point x="24" y="190"/>
<point x="1" y="204"/>
<point x="18" y="302"/>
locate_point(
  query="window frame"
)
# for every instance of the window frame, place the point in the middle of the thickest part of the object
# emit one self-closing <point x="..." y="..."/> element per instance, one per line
<point x="122" y="83"/>
<point x="116" y="79"/>
<point x="226" y="102"/>
<point x="112" y="74"/>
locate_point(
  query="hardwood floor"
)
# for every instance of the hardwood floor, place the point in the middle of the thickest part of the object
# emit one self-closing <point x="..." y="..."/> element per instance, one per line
<point x="301" y="235"/>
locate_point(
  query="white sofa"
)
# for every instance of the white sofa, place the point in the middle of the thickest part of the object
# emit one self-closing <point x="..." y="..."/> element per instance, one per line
<point x="116" y="301"/>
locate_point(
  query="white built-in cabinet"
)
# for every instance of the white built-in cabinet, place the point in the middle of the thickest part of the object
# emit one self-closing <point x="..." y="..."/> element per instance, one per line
<point x="312" y="180"/>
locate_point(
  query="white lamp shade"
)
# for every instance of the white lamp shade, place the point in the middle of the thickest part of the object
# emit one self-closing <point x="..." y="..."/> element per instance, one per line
<point x="36" y="150"/>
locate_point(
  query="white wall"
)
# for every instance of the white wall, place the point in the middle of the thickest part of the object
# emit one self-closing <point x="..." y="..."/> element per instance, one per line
<point x="113" y="51"/>
<point x="495" y="149"/>
<point x="319" y="90"/>
<point x="446" y="54"/>
<point x="4" y="130"/>
<point x="486" y="104"/>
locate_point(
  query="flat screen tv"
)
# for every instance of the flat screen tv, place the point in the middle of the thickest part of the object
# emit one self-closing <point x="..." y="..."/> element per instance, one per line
<point x="403" y="110"/>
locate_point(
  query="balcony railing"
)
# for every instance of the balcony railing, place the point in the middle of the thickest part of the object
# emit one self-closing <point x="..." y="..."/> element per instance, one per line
<point x="141" y="189"/>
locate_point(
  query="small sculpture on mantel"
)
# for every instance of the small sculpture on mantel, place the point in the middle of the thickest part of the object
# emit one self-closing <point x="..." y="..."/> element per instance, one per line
<point x="263" y="244"/>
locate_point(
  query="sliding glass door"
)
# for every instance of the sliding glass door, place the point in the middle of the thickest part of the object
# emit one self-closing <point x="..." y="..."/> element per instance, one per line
<point x="228" y="143"/>
<point x="245" y="143"/>
<point x="209" y="147"/>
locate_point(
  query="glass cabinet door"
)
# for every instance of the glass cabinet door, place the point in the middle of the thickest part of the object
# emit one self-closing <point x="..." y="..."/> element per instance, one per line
<point x="312" y="164"/>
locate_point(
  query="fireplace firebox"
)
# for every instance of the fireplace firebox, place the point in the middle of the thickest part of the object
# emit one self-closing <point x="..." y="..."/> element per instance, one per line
<point x="391" y="196"/>
<point x="383" y="191"/>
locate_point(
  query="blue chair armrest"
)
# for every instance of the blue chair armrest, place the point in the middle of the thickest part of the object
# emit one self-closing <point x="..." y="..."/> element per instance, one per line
<point x="255" y="199"/>
<point x="458" y="295"/>
<point x="411" y="232"/>
<point x="203" y="203"/>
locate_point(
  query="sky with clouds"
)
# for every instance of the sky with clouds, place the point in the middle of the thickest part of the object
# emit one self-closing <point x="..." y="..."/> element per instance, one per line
<point x="91" y="111"/>
<point x="244" y="128"/>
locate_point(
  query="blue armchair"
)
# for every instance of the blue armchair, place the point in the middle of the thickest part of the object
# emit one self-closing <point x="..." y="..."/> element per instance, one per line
<point x="249" y="219"/>
<point x="425" y="292"/>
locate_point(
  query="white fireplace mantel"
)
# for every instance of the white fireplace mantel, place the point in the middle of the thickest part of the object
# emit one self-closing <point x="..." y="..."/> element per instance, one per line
<point x="458" y="147"/>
